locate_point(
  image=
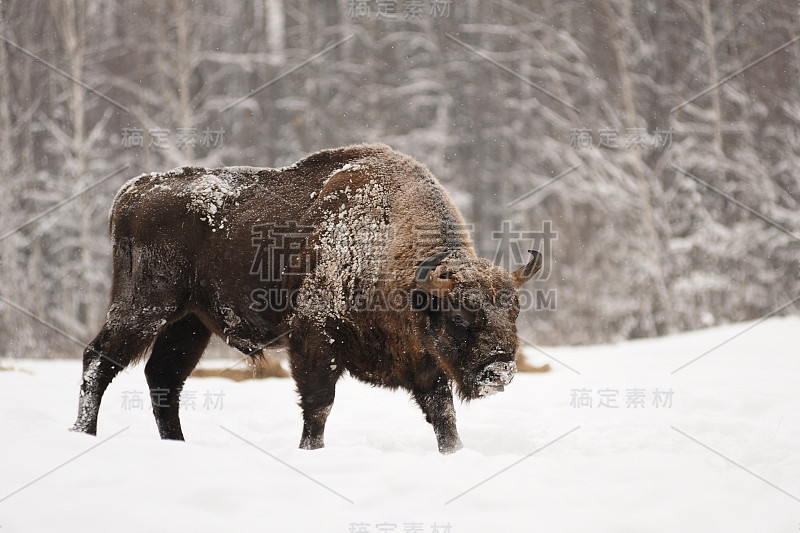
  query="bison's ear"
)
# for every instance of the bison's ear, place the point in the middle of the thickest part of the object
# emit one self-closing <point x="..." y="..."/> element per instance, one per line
<point x="420" y="300"/>
<point x="426" y="277"/>
<point x="425" y="301"/>
<point x="526" y="272"/>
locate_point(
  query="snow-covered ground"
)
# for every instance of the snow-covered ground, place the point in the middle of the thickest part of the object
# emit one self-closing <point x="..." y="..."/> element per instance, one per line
<point x="720" y="452"/>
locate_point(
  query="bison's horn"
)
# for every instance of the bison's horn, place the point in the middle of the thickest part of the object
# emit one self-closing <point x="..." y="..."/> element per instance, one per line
<point x="426" y="278"/>
<point x="526" y="272"/>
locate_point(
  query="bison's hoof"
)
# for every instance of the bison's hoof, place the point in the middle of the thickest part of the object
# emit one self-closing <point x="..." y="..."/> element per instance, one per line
<point x="311" y="443"/>
<point x="450" y="447"/>
<point x="83" y="428"/>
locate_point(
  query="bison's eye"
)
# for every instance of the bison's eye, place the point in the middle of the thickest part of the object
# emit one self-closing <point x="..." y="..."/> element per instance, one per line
<point x="462" y="318"/>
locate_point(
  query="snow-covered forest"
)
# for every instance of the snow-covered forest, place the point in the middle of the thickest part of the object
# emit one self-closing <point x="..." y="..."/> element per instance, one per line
<point x="650" y="149"/>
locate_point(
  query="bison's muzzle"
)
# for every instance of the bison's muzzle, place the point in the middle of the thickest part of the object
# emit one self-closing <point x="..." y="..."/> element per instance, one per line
<point x="495" y="376"/>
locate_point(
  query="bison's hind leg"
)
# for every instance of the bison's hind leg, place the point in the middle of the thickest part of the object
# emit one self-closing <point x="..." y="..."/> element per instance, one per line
<point x="149" y="290"/>
<point x="175" y="354"/>
<point x="121" y="341"/>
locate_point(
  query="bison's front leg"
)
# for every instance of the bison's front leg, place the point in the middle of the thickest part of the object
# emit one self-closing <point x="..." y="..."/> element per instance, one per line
<point x="316" y="399"/>
<point x="315" y="373"/>
<point x="437" y="404"/>
<point x="314" y="419"/>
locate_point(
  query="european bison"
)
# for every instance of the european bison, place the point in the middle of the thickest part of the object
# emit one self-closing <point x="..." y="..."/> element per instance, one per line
<point x="361" y="264"/>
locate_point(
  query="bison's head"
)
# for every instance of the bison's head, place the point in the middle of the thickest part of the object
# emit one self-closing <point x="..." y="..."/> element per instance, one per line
<point x="471" y="307"/>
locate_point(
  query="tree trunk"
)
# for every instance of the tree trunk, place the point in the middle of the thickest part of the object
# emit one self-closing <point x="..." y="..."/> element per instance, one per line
<point x="659" y="314"/>
<point x="713" y="72"/>
<point x="184" y="65"/>
<point x="276" y="31"/>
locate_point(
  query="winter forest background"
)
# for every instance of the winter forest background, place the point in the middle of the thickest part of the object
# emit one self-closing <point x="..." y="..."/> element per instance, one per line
<point x="674" y="209"/>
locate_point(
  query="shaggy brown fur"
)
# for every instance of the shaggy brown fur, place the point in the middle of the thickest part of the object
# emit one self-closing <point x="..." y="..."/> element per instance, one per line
<point x="384" y="283"/>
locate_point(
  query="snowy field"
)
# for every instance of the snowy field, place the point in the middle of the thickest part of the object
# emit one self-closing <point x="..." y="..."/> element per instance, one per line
<point x="714" y="446"/>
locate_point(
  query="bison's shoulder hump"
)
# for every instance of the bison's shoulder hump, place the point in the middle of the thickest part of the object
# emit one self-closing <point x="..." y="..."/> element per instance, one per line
<point x="333" y="156"/>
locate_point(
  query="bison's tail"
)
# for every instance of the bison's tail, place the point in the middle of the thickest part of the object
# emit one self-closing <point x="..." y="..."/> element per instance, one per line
<point x="121" y="265"/>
